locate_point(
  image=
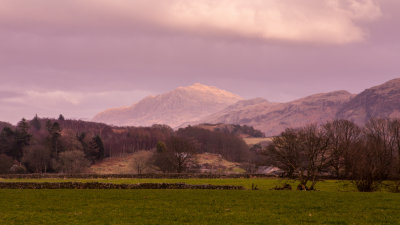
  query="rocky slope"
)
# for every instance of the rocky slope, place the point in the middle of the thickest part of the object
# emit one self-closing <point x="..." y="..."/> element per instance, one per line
<point x="174" y="108"/>
<point x="273" y="118"/>
<point x="381" y="101"/>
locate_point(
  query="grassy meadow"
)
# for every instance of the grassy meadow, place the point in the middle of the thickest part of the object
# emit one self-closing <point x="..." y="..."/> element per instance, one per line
<point x="196" y="207"/>
<point x="336" y="202"/>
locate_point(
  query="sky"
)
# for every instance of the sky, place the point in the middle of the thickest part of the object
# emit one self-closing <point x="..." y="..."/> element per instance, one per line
<point x="80" y="57"/>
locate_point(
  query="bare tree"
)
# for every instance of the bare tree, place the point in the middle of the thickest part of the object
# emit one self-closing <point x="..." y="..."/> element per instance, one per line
<point x="140" y="162"/>
<point x="181" y="150"/>
<point x="37" y="158"/>
<point x="176" y="156"/>
<point x="72" y="162"/>
<point x="395" y="175"/>
<point x="284" y="151"/>
<point x="372" y="161"/>
<point x="302" y="152"/>
<point x="315" y="145"/>
<point x="380" y="138"/>
<point x="343" y="135"/>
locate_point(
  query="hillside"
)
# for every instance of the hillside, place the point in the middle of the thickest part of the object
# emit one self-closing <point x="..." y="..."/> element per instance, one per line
<point x="382" y="101"/>
<point x="200" y="104"/>
<point x="127" y="164"/>
<point x="238" y="130"/>
<point x="273" y="118"/>
<point x="181" y="105"/>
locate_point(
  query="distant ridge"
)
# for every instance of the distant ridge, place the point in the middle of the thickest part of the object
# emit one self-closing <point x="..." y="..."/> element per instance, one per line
<point x="273" y="118"/>
<point x="173" y="108"/>
<point x="382" y="101"/>
<point x="199" y="104"/>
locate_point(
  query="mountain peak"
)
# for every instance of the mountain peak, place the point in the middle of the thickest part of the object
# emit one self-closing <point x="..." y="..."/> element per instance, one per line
<point x="381" y="101"/>
<point x="211" y="90"/>
<point x="172" y="108"/>
<point x="391" y="84"/>
<point x="198" y="85"/>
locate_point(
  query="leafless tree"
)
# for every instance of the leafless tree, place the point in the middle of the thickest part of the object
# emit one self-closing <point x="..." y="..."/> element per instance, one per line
<point x="181" y="150"/>
<point x="372" y="161"/>
<point x="284" y="151"/>
<point x="302" y="152"/>
<point x="37" y="158"/>
<point x="343" y="135"/>
<point x="395" y="175"/>
<point x="72" y="162"/>
<point x="140" y="163"/>
<point x="176" y="156"/>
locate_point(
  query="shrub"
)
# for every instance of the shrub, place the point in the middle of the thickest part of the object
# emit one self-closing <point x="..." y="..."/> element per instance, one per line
<point x="72" y="162"/>
<point x="18" y="169"/>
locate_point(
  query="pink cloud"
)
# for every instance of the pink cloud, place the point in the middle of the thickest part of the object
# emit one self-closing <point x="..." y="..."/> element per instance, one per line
<point x="316" y="21"/>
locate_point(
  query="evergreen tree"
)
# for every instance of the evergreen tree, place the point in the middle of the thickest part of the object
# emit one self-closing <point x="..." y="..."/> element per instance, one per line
<point x="81" y="138"/>
<point x="61" y="117"/>
<point x="100" y="147"/>
<point x="54" y="130"/>
<point x="95" y="149"/>
<point x="35" y="123"/>
<point x="7" y="141"/>
<point x="22" y="138"/>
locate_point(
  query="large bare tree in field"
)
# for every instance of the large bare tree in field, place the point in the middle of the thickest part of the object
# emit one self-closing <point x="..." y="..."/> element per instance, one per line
<point x="343" y="135"/>
<point x="372" y="161"/>
<point x="380" y="138"/>
<point x="284" y="151"/>
<point x="303" y="153"/>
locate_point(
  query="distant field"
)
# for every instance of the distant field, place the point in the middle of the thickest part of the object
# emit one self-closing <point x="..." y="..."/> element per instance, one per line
<point x="196" y="207"/>
<point x="253" y="141"/>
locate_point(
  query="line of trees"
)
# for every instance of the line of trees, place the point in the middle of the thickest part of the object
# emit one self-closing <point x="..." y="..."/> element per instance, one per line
<point x="49" y="145"/>
<point x="367" y="155"/>
<point x="69" y="146"/>
<point x="43" y="146"/>
<point x="176" y="153"/>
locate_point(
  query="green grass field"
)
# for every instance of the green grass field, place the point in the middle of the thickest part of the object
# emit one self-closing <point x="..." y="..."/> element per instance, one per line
<point x="335" y="203"/>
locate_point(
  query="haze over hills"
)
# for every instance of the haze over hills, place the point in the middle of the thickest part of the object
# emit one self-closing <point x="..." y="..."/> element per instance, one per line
<point x="184" y="104"/>
<point x="199" y="104"/>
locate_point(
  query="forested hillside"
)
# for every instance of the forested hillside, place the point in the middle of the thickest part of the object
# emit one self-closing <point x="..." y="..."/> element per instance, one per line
<point x="70" y="146"/>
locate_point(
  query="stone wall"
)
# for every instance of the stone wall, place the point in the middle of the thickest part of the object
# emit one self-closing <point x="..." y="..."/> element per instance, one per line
<point x="132" y="176"/>
<point x="96" y="185"/>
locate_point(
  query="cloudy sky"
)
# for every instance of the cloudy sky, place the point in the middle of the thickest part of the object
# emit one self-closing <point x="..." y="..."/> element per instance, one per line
<point x="78" y="57"/>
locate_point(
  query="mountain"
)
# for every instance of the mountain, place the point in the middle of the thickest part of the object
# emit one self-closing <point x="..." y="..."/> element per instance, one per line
<point x="200" y="104"/>
<point x="381" y="101"/>
<point x="174" y="108"/>
<point x="273" y="118"/>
